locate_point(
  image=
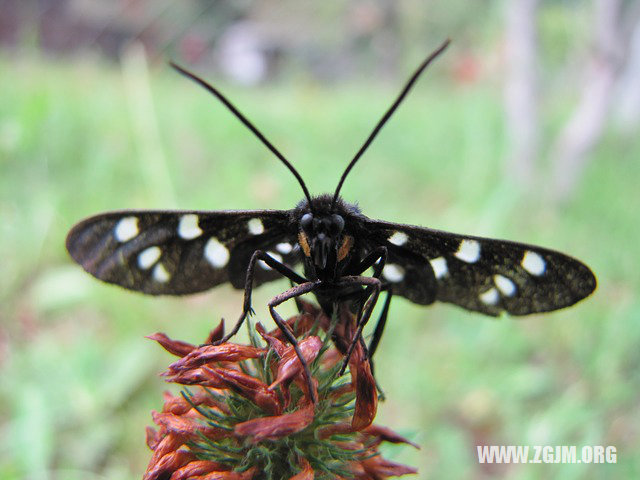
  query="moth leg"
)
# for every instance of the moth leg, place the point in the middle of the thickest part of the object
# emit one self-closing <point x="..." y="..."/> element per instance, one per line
<point x="380" y="324"/>
<point x="294" y="292"/>
<point x="377" y="334"/>
<point x="299" y="306"/>
<point x="376" y="285"/>
<point x="248" y="287"/>
<point x="376" y="258"/>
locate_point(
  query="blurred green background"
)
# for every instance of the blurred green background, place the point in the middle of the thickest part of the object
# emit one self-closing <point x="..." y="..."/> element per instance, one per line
<point x="526" y="129"/>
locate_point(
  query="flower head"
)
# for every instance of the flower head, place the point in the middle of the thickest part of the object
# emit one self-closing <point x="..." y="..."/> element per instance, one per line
<point x="248" y="413"/>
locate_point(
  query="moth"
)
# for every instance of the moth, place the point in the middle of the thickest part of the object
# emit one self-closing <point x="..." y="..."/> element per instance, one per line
<point x="182" y="252"/>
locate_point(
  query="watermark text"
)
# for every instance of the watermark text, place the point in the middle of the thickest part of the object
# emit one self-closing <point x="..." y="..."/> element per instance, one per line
<point x="547" y="454"/>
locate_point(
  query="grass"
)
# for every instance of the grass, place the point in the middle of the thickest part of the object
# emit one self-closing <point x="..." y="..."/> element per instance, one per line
<point x="78" y="379"/>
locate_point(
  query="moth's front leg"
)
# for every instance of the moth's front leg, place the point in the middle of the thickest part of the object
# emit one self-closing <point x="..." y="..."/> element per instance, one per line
<point x="248" y="288"/>
<point x="294" y="292"/>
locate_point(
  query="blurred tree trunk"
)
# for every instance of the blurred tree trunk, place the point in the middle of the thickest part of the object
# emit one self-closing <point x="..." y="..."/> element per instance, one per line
<point x="521" y="90"/>
<point x="388" y="43"/>
<point x="376" y="25"/>
<point x="570" y="152"/>
<point x="628" y="94"/>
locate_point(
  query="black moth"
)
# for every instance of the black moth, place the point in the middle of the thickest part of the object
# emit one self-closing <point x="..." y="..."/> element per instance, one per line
<point x="183" y="252"/>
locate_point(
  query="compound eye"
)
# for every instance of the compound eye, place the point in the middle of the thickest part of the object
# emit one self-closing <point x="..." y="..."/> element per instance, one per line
<point x="306" y="221"/>
<point x="337" y="224"/>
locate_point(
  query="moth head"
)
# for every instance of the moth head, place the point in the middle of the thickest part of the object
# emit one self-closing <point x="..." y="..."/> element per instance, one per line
<point x="321" y="237"/>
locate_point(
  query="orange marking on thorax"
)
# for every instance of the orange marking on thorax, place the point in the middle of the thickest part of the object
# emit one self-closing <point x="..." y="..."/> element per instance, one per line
<point x="304" y="244"/>
<point x="347" y="243"/>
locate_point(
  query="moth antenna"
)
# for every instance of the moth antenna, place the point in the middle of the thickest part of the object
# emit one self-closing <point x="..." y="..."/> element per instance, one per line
<point x="387" y="115"/>
<point x="246" y="123"/>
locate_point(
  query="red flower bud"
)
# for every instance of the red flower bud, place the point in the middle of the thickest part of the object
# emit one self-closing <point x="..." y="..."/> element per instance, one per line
<point x="278" y="426"/>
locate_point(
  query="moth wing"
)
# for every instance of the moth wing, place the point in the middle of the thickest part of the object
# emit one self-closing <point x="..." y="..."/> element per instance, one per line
<point x="178" y="252"/>
<point x="480" y="274"/>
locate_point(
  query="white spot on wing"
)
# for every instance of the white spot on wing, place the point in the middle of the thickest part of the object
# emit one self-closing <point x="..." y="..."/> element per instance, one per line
<point x="490" y="297"/>
<point x="188" y="227"/>
<point x="468" y="251"/>
<point x="216" y="253"/>
<point x="275" y="257"/>
<point x="160" y="273"/>
<point x="398" y="238"/>
<point x="126" y="229"/>
<point x="148" y="257"/>
<point x="533" y="263"/>
<point x="392" y="272"/>
<point x="284" y="248"/>
<point x="255" y="226"/>
<point x="505" y="285"/>
<point x="439" y="266"/>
